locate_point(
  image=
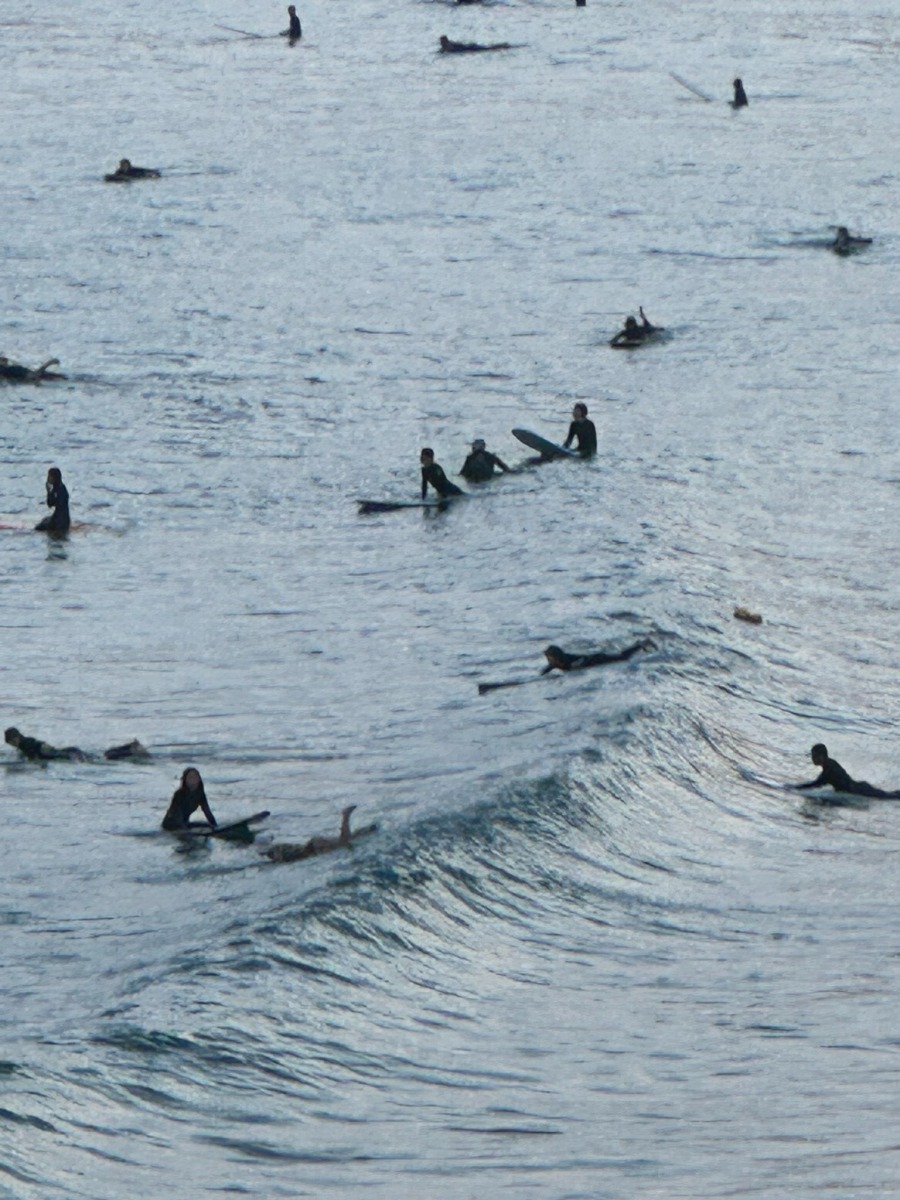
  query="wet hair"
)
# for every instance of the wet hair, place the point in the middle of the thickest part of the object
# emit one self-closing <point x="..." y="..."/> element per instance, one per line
<point x="630" y="322"/>
<point x="427" y="450"/>
<point x="10" y="733"/>
<point x="478" y="444"/>
<point x="818" y="749"/>
<point x="55" y="475"/>
<point x="124" y="164"/>
<point x="184" y="775"/>
<point x="555" y="652"/>
<point x="583" y="408"/>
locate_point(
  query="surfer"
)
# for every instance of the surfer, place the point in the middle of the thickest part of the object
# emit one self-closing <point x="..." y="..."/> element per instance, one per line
<point x="57" y="499"/>
<point x="448" y="47"/>
<point x="479" y="465"/>
<point x="843" y="243"/>
<point x="834" y="775"/>
<point x="125" y="171"/>
<point x="560" y="660"/>
<point x="433" y="473"/>
<point x="740" y="96"/>
<point x="633" y="333"/>
<point x="187" y="799"/>
<point x="38" y="751"/>
<point x="293" y="31"/>
<point x="582" y="430"/>
<point x="132" y="749"/>
<point x="16" y="373"/>
<point x="293" y="851"/>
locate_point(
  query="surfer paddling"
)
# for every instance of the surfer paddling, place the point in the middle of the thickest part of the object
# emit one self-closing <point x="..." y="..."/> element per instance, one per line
<point x="189" y="796"/>
<point x="582" y="431"/>
<point x="38" y="751"/>
<point x="448" y="47"/>
<point x="293" y="32"/>
<point x="294" y="851"/>
<point x="433" y="475"/>
<point x="57" y="499"/>
<point x="125" y="171"/>
<point x="479" y="465"/>
<point x="16" y="373"/>
<point x="560" y="660"/>
<point x="634" y="333"/>
<point x="832" y="774"/>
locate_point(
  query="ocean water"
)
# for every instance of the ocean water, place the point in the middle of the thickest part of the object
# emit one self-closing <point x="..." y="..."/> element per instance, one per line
<point x="594" y="949"/>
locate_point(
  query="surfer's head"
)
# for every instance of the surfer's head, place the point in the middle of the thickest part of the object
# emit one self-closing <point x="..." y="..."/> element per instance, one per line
<point x="125" y="166"/>
<point x="291" y="9"/>
<point x="12" y="736"/>
<point x="445" y="42"/>
<point x="426" y="456"/>
<point x="579" y="411"/>
<point x="190" y="779"/>
<point x="631" y="323"/>
<point x="54" y="476"/>
<point x="556" y="657"/>
<point x="819" y="754"/>
<point x="479" y="444"/>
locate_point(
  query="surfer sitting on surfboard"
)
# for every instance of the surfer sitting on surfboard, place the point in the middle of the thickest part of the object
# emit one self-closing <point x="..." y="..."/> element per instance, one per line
<point x="36" y="750"/>
<point x="834" y="775"/>
<point x="633" y="333"/>
<point x="16" y="373"/>
<point x="433" y="473"/>
<point x="559" y="660"/>
<point x="125" y="171"/>
<point x="187" y="799"/>
<point x="479" y="465"/>
<point x="57" y="499"/>
<point x="583" y="431"/>
<point x="293" y="851"/>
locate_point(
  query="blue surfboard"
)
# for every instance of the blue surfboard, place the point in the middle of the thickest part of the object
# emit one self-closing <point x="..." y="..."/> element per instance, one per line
<point x="543" y="446"/>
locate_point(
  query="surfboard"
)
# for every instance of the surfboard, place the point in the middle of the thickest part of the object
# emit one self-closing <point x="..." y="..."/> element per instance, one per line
<point x="368" y="507"/>
<point x="535" y="442"/>
<point x="234" y="831"/>
<point x="634" y="343"/>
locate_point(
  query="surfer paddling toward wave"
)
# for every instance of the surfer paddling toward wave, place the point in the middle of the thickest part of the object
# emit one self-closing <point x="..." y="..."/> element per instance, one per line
<point x="16" y="373"/>
<point x="832" y="774"/>
<point x="560" y="660"/>
<point x="448" y="47"/>
<point x="294" y="851"/>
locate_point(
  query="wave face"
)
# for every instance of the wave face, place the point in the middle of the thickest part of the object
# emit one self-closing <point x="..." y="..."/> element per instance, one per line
<point x="593" y="948"/>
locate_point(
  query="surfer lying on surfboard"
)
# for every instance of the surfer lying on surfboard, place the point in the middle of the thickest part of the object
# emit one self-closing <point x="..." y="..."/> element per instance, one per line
<point x="38" y="751"/>
<point x="294" y="851"/>
<point x="560" y="660"/>
<point x="833" y="775"/>
<point x="634" y="334"/>
<point x="16" y="373"/>
<point x="190" y="796"/>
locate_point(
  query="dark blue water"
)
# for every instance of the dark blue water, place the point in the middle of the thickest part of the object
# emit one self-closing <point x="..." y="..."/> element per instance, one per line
<point x="593" y="949"/>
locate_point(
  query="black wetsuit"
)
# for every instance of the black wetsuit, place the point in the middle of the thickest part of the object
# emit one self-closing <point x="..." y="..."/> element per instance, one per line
<point x="34" y="749"/>
<point x="448" y="47"/>
<point x="184" y="803"/>
<point x="59" y="520"/>
<point x="740" y="96"/>
<point x="15" y="372"/>
<point x="834" y="775"/>
<point x="294" y="31"/>
<point x="479" y="466"/>
<point x="132" y="173"/>
<point x="578" y="662"/>
<point x="434" y="474"/>
<point x="585" y="432"/>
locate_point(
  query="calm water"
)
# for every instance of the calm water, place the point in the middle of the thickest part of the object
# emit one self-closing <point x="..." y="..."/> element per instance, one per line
<point x="592" y="950"/>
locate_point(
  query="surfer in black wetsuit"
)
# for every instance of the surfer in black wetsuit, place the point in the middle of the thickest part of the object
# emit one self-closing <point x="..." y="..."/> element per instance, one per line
<point x="843" y="243"/>
<point x="479" y="465"/>
<point x="38" y="751"/>
<point x="293" y="851"/>
<point x="132" y="749"/>
<point x="433" y="473"/>
<point x="559" y="660"/>
<point x="633" y="333"/>
<point x="583" y="431"/>
<point x="187" y="799"/>
<point x="448" y="47"/>
<point x="125" y="171"/>
<point x="293" y="31"/>
<point x="57" y="499"/>
<point x="834" y="775"/>
<point x="16" y="373"/>
<point x="740" y="96"/>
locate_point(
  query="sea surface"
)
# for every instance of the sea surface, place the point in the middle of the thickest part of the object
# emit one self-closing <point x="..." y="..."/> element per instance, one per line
<point x="595" y="949"/>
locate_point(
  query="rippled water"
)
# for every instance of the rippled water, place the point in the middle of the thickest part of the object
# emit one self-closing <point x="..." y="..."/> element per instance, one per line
<point x="591" y="950"/>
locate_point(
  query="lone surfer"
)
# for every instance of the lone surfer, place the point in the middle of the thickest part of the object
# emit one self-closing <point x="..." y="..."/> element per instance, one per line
<point x="294" y="851"/>
<point x="190" y="796"/>
<point x="833" y="775"/>
<point x="448" y="47"/>
<point x="843" y="243"/>
<point x="38" y="751"/>
<point x="479" y="465"/>
<point x="125" y="171"/>
<point x="560" y="660"/>
<point x="633" y="333"/>
<point x="583" y="431"/>
<point x="293" y="31"/>
<point x="433" y="473"/>
<point x="57" y="499"/>
<point x="16" y="373"/>
<point x="740" y="96"/>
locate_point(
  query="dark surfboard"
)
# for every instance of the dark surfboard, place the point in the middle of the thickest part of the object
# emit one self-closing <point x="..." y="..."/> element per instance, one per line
<point x="234" y="831"/>
<point x="543" y="446"/>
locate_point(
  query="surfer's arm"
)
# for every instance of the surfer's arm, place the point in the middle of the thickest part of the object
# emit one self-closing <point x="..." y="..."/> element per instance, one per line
<point x="571" y="436"/>
<point x="498" y="462"/>
<point x="815" y="783"/>
<point x="207" y="812"/>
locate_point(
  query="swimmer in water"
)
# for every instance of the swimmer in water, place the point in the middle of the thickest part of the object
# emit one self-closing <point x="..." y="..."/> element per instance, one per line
<point x="633" y="333"/>
<point x="293" y="31"/>
<point x="479" y="465"/>
<point x="559" y="660"/>
<point x="38" y="751"/>
<point x="832" y="774"/>
<point x="433" y="473"/>
<point x="448" y="47"/>
<point x="294" y="851"/>
<point x="190" y="796"/>
<point x="132" y="749"/>
<point x="16" y="373"/>
<point x="57" y="499"/>
<point x="843" y="243"/>
<point x="740" y="96"/>
<point x="583" y="431"/>
<point x="125" y="171"/>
